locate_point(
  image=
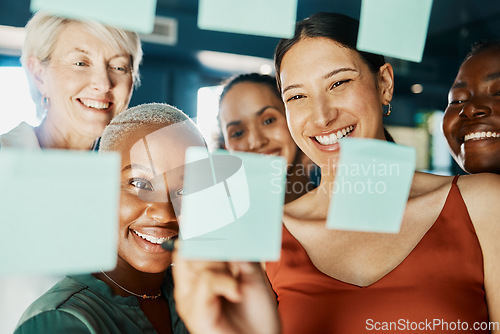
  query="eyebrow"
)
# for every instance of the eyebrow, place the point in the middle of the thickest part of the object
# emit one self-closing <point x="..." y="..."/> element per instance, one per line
<point x="326" y="76"/>
<point x="258" y="113"/>
<point x="492" y="76"/>
<point x="137" y="166"/>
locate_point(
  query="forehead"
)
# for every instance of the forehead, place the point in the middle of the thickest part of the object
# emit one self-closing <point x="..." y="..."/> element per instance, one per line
<point x="480" y="64"/>
<point x="160" y="149"/>
<point x="246" y="98"/>
<point x="311" y="58"/>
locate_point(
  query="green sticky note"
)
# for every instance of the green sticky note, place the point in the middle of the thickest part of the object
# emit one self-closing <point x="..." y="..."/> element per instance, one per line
<point x="394" y="28"/>
<point x="58" y="211"/>
<point x="371" y="187"/>
<point x="272" y="18"/>
<point x="232" y="206"/>
<point x="130" y="15"/>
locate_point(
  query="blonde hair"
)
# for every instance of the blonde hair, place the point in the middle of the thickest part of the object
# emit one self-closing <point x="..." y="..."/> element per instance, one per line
<point x="150" y="114"/>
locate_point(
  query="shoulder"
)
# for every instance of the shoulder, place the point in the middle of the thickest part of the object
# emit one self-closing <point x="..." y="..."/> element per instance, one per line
<point x="425" y="184"/>
<point x="54" y="312"/>
<point x="22" y="136"/>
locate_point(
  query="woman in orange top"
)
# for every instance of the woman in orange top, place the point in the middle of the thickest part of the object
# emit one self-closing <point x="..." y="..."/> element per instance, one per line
<point x="438" y="274"/>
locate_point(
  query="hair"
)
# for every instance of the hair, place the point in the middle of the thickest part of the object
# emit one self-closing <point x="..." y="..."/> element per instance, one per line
<point x="482" y="46"/>
<point x="337" y="27"/>
<point x="42" y="32"/>
<point x="132" y="119"/>
<point x="252" y="78"/>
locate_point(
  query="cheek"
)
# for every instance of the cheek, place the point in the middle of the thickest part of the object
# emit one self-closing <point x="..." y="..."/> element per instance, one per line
<point x="131" y="208"/>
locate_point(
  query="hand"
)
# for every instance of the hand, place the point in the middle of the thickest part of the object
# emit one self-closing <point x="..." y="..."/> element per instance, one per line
<point x="224" y="297"/>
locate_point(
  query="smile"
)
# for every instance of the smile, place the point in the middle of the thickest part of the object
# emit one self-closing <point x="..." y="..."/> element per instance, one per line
<point x="481" y="135"/>
<point x="334" y="137"/>
<point x="95" y="104"/>
<point x="151" y="239"/>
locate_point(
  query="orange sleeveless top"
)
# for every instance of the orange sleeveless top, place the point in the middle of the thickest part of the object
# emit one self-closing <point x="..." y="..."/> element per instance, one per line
<point x="437" y="288"/>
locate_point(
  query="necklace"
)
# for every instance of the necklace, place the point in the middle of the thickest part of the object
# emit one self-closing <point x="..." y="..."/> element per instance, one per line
<point x="135" y="294"/>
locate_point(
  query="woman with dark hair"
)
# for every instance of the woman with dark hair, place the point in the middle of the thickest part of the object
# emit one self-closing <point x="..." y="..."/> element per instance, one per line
<point x="471" y="122"/>
<point x="252" y="119"/>
<point x="439" y="273"/>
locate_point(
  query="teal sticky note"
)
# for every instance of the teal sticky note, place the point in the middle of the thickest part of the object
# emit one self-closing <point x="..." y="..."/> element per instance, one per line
<point x="130" y="15"/>
<point x="371" y="187"/>
<point x="58" y="211"/>
<point x="272" y="18"/>
<point x="394" y="28"/>
<point x="232" y="206"/>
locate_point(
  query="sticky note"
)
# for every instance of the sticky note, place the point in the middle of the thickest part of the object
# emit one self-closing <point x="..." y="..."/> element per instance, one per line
<point x="130" y="15"/>
<point x="394" y="28"/>
<point x="274" y="18"/>
<point x="372" y="184"/>
<point x="232" y="206"/>
<point x="58" y="211"/>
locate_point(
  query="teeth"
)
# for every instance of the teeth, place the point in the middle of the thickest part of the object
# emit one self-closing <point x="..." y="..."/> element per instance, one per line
<point x="150" y="238"/>
<point x="481" y="135"/>
<point x="335" y="137"/>
<point x="95" y="104"/>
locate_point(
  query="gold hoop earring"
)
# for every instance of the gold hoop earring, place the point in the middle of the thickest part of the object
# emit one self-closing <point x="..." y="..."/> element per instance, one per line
<point x="389" y="109"/>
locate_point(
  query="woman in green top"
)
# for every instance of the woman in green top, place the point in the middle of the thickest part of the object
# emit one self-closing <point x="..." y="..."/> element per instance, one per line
<point x="136" y="297"/>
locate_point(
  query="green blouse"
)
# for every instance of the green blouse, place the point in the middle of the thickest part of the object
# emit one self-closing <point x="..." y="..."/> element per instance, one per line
<point x="84" y="304"/>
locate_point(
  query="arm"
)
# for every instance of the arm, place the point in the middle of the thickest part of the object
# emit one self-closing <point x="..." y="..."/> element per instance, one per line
<point x="481" y="194"/>
<point x="222" y="297"/>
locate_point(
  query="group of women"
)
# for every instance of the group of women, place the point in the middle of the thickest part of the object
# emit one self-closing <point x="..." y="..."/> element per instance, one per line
<point x="441" y="265"/>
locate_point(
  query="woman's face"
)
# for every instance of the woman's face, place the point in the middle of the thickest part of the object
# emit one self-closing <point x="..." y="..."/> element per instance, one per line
<point x="330" y="94"/>
<point x="86" y="81"/>
<point x="151" y="179"/>
<point x="471" y="121"/>
<point x="253" y="119"/>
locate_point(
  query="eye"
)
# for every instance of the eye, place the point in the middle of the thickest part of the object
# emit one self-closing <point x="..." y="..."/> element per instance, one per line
<point x="295" y="97"/>
<point x="269" y="120"/>
<point x="123" y="69"/>
<point x="141" y="184"/>
<point x="79" y="63"/>
<point x="339" y="83"/>
<point x="236" y="134"/>
<point x="456" y="102"/>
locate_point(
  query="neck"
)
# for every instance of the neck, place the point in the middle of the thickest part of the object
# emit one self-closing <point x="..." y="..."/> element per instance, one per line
<point x="131" y="279"/>
<point x="51" y="136"/>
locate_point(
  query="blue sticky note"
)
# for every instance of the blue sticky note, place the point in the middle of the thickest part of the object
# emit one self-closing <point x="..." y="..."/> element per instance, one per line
<point x="232" y="206"/>
<point x="58" y="211"/>
<point x="394" y="28"/>
<point x="275" y="18"/>
<point x="130" y="15"/>
<point x="371" y="187"/>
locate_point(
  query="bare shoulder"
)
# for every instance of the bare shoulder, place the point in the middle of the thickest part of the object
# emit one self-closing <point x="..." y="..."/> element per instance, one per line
<point x="425" y="184"/>
<point x="481" y="194"/>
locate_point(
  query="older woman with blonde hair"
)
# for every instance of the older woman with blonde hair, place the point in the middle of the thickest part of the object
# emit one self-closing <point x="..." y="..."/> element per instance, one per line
<point x="81" y="73"/>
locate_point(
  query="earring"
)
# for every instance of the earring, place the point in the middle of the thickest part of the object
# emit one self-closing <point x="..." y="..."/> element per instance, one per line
<point x="45" y="103"/>
<point x="389" y="110"/>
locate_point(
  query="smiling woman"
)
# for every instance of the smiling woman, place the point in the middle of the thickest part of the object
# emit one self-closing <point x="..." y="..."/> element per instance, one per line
<point x="135" y="297"/>
<point x="471" y="121"/>
<point x="81" y="75"/>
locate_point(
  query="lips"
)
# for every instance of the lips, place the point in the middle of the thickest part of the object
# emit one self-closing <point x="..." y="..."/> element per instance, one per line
<point x="274" y="152"/>
<point x="96" y="104"/>
<point x="335" y="136"/>
<point x="151" y="238"/>
<point x="481" y="135"/>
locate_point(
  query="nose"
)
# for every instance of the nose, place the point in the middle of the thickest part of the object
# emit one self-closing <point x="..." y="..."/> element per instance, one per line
<point x="325" y="112"/>
<point x="161" y="212"/>
<point x="257" y="139"/>
<point x="101" y="79"/>
<point x="475" y="108"/>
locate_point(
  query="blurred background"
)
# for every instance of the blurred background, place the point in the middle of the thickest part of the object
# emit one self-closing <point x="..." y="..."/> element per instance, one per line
<point x="184" y="66"/>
